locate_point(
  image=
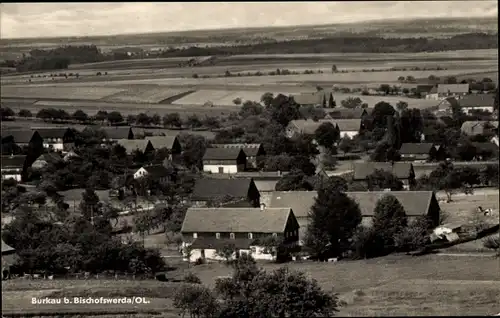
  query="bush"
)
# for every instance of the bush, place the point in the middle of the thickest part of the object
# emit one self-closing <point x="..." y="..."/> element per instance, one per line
<point x="199" y="261"/>
<point x="192" y="278"/>
<point x="492" y="242"/>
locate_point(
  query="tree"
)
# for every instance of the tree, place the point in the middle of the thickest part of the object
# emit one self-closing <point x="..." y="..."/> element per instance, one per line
<point x="284" y="109"/>
<point x="211" y="122"/>
<point x="194" y="147"/>
<point x="446" y="178"/>
<point x="25" y="113"/>
<point x="101" y="115"/>
<point x="401" y="105"/>
<point x="351" y="102"/>
<point x="172" y="120"/>
<point x="156" y="119"/>
<point x="389" y="219"/>
<point x="381" y="180"/>
<point x="193" y="121"/>
<point x="251" y="109"/>
<point x="333" y="219"/>
<point x="295" y="180"/>
<point x="401" y="79"/>
<point x="326" y="135"/>
<point x="237" y="101"/>
<point x="80" y="115"/>
<point x="143" y="119"/>
<point x="267" y="99"/>
<point x="346" y="144"/>
<point x="227" y="252"/>
<point x="451" y="80"/>
<point x="115" y="117"/>
<point x="196" y="300"/>
<point x="385" y="88"/>
<point x="334" y="68"/>
<point x="410" y="79"/>
<point x="89" y="203"/>
<point x="384" y="152"/>
<point x="413" y="237"/>
<point x="380" y="112"/>
<point x="331" y="101"/>
<point x="6" y="112"/>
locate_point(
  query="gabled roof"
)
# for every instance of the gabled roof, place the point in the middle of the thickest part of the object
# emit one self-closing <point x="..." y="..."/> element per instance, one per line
<point x="51" y="132"/>
<point x="348" y="113"/>
<point x="116" y="132"/>
<point x="6" y="248"/>
<point x="313" y="98"/>
<point x="159" y="142"/>
<point x="222" y="153"/>
<point x="249" y="149"/>
<point x="402" y="170"/>
<point x="425" y="88"/>
<point x="131" y="145"/>
<point x="309" y="126"/>
<point x="485" y="146"/>
<point x="476" y="127"/>
<point x="22" y="136"/>
<point x="50" y="157"/>
<point x="236" y="220"/>
<point x="157" y="170"/>
<point x="266" y="185"/>
<point x="477" y="100"/>
<point x="453" y="88"/>
<point x="416" y="148"/>
<point x="206" y="189"/>
<point x="415" y="202"/>
<point x="348" y="124"/>
<point x="13" y="162"/>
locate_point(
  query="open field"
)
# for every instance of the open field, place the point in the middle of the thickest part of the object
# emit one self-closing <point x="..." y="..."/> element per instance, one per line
<point x="87" y="93"/>
<point x="147" y="95"/>
<point x="396" y="285"/>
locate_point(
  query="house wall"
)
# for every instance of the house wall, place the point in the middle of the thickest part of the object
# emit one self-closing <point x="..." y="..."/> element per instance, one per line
<point x="211" y="254"/>
<point x="482" y="108"/>
<point x="214" y="168"/>
<point x="140" y="173"/>
<point x="56" y="145"/>
<point x="412" y="157"/>
<point x="349" y="134"/>
<point x="39" y="164"/>
<point x="432" y="96"/>
<point x="14" y="175"/>
<point x="266" y="197"/>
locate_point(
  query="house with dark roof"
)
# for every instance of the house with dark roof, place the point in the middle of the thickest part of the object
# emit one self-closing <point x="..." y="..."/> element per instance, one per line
<point x="477" y="102"/>
<point x="8" y="259"/>
<point x="254" y="152"/>
<point x="239" y="192"/>
<point x="23" y="138"/>
<point x="118" y="132"/>
<point x="347" y="127"/>
<point x="45" y="159"/>
<point x="169" y="142"/>
<point x="485" y="150"/>
<point x="348" y="113"/>
<point x="208" y="230"/>
<point x="141" y="145"/>
<point x="402" y="170"/>
<point x="224" y="160"/>
<point x="14" y="167"/>
<point x="60" y="139"/>
<point x="415" y="203"/>
<point x="421" y="152"/>
<point x="320" y="98"/>
<point x="156" y="172"/>
<point x="448" y="90"/>
<point x="423" y="90"/>
<point x="477" y="127"/>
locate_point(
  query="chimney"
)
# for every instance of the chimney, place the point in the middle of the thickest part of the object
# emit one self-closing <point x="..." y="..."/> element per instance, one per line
<point x="262" y="206"/>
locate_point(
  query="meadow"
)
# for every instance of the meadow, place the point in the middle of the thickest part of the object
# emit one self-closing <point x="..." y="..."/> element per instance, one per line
<point x="395" y="285"/>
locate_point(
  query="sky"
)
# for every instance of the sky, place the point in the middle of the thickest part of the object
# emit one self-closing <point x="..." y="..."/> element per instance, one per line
<point x="26" y="20"/>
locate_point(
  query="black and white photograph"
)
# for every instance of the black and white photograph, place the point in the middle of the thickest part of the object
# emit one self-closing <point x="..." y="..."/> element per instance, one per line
<point x="249" y="159"/>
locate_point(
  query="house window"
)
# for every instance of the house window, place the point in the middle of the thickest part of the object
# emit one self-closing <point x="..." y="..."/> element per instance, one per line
<point x="195" y="235"/>
<point x="231" y="236"/>
<point x="221" y="169"/>
<point x="275" y="234"/>
<point x="250" y="236"/>
<point x="217" y="235"/>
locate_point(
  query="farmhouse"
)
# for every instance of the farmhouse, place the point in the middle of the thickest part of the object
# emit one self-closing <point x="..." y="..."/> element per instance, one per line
<point x="169" y="142"/>
<point x="8" y="259"/>
<point x="131" y="146"/>
<point x="116" y="133"/>
<point x="60" y="139"/>
<point x="348" y="113"/>
<point x="224" y="160"/>
<point x="254" y="152"/>
<point x="46" y="159"/>
<point x="154" y="172"/>
<point x="238" y="192"/>
<point x="315" y="99"/>
<point x="477" y="102"/>
<point x="347" y="127"/>
<point x="401" y="170"/>
<point x="13" y="167"/>
<point x="472" y="128"/>
<point x="424" y="90"/>
<point x="266" y="189"/>
<point x="416" y="204"/>
<point x="421" y="152"/>
<point x="209" y="230"/>
<point x="448" y="90"/>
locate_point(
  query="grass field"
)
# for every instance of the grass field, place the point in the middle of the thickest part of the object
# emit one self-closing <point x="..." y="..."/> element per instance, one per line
<point x="81" y="92"/>
<point x="394" y="285"/>
<point x="146" y="95"/>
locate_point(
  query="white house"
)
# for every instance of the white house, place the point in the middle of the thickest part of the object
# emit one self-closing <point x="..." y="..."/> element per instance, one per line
<point x="448" y="90"/>
<point x="156" y="172"/>
<point x="60" y="139"/>
<point x="208" y="231"/>
<point x="13" y="167"/>
<point x="224" y="160"/>
<point x="477" y="102"/>
<point x="347" y="127"/>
